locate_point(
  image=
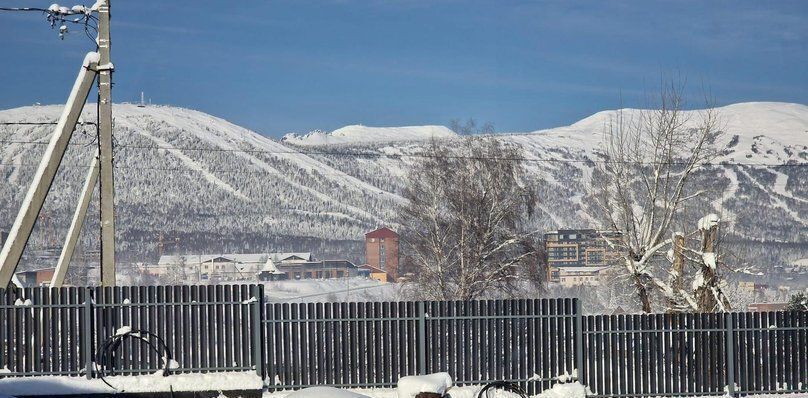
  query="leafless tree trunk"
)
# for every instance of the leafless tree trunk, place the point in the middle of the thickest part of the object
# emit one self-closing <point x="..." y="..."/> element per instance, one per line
<point x="644" y="182"/>
<point x="677" y="277"/>
<point x="462" y="225"/>
<point x="707" y="288"/>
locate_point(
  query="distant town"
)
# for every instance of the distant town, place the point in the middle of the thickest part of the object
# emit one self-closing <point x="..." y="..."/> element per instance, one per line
<point x="574" y="258"/>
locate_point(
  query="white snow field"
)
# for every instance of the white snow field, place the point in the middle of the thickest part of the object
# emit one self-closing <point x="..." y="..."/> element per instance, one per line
<point x="315" y="290"/>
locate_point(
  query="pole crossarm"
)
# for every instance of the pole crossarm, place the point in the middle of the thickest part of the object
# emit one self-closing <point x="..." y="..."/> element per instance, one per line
<point x="43" y="178"/>
<point x="75" y="225"/>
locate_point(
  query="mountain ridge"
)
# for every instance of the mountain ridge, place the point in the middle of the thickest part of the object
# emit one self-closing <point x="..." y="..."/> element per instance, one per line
<point x="209" y="184"/>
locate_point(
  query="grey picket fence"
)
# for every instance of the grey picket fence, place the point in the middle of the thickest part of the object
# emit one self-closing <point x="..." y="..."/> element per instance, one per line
<point x="535" y="343"/>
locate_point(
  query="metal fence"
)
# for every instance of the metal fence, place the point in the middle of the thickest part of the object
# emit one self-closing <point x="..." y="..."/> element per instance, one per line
<point x="373" y="344"/>
<point x="536" y="343"/>
<point x="695" y="354"/>
<point x="58" y="331"/>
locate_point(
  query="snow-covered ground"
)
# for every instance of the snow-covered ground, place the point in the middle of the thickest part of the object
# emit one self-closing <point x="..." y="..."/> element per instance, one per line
<point x="53" y="385"/>
<point x="342" y="289"/>
<point x="235" y="381"/>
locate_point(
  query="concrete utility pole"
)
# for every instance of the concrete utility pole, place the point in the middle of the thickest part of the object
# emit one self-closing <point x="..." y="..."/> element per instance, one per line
<point x="107" y="185"/>
<point x="95" y="63"/>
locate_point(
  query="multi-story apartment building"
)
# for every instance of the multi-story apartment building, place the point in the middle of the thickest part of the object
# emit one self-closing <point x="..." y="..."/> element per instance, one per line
<point x="576" y="256"/>
<point x="381" y="251"/>
<point x="579" y="248"/>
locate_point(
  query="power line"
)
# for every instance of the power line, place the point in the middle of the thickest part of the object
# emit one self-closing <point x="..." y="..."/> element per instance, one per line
<point x="23" y="9"/>
<point x="423" y="155"/>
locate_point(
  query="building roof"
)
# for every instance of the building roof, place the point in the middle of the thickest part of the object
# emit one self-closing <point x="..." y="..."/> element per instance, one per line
<point x="46" y="269"/>
<point x="372" y="269"/>
<point x="383" y="232"/>
<point x="322" y="263"/>
<point x="246" y="258"/>
<point x="580" y="270"/>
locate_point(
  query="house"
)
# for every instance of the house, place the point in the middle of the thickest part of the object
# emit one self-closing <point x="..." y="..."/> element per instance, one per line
<point x="372" y="272"/>
<point x="575" y="275"/>
<point x="381" y="251"/>
<point x="323" y="269"/>
<point x="37" y="277"/>
<point x="217" y="268"/>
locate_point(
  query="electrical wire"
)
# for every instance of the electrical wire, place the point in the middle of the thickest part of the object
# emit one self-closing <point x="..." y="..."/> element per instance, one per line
<point x="104" y="357"/>
<point x="502" y="386"/>
<point x="23" y="9"/>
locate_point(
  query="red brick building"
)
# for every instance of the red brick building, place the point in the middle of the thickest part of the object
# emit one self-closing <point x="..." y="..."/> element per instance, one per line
<point x="381" y="251"/>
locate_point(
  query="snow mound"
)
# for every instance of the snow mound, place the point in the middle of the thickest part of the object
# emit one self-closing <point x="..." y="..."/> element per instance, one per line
<point x="567" y="390"/>
<point x="358" y="134"/>
<point x="410" y="386"/>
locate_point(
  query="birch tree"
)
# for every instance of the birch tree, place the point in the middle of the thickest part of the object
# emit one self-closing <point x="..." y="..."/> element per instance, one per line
<point x="463" y="222"/>
<point x="645" y="181"/>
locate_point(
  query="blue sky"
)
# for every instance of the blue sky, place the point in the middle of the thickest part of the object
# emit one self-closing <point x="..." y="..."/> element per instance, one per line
<point x="295" y="66"/>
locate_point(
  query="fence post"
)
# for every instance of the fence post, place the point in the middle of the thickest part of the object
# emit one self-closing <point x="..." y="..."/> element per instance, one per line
<point x="730" y="348"/>
<point x="258" y="324"/>
<point x="579" y="341"/>
<point x="87" y="328"/>
<point x="421" y="337"/>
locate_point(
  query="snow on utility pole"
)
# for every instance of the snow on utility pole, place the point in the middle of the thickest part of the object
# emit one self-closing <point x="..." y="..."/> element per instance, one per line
<point x="105" y="147"/>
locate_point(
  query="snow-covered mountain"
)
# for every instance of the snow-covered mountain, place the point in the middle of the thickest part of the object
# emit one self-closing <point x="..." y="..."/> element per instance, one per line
<point x="187" y="181"/>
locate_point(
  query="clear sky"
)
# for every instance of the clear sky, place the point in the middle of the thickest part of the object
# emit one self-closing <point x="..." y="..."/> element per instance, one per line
<point x="295" y="66"/>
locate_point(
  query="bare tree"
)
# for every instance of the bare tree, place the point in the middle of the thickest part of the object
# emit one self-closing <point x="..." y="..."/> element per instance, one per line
<point x="644" y="182"/>
<point x="177" y="275"/>
<point x="470" y="127"/>
<point x="462" y="224"/>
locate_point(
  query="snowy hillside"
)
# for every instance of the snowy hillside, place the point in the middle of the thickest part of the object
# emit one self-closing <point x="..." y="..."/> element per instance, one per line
<point x="187" y="181"/>
<point x="196" y="179"/>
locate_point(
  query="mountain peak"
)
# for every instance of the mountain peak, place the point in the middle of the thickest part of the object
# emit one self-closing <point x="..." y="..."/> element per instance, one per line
<point x="359" y="134"/>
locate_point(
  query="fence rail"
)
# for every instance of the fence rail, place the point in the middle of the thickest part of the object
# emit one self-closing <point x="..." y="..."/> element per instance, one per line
<point x="535" y="343"/>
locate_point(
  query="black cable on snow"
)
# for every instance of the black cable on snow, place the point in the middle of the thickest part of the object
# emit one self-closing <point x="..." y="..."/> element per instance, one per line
<point x="502" y="386"/>
<point x="104" y="356"/>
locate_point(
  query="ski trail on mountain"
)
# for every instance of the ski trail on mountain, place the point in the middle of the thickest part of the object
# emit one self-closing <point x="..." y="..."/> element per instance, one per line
<point x="191" y="164"/>
<point x="776" y="200"/>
